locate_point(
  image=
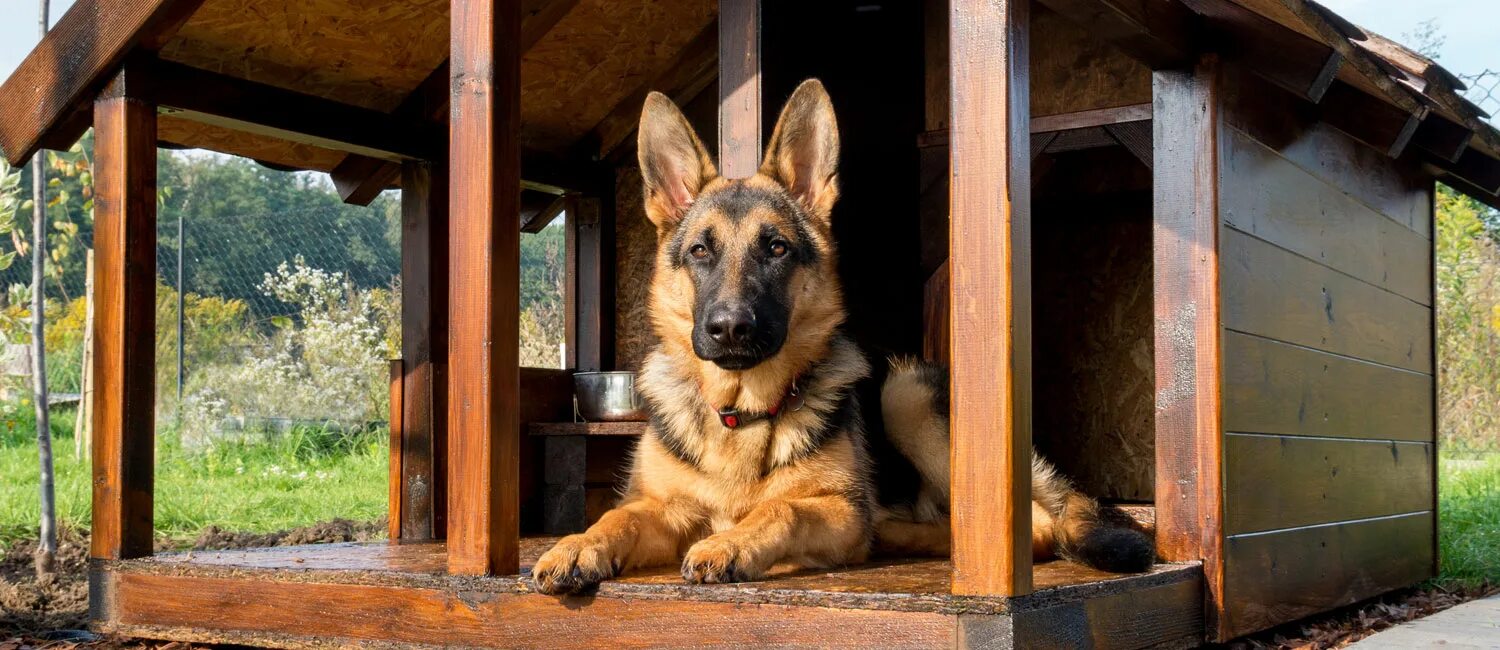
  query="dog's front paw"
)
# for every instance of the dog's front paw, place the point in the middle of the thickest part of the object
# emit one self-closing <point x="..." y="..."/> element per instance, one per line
<point x="716" y="560"/>
<point x="574" y="564"/>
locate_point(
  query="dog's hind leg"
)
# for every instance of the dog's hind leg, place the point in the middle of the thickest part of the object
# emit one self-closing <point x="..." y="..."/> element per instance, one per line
<point x="640" y="532"/>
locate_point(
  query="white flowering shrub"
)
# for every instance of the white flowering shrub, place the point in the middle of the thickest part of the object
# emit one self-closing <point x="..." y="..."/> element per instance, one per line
<point x="325" y="363"/>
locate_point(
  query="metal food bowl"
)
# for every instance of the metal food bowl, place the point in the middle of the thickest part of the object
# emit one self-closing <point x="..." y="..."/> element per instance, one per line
<point x="608" y="397"/>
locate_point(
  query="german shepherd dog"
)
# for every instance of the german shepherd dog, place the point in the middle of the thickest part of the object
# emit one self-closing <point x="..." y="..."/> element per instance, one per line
<point x="755" y="453"/>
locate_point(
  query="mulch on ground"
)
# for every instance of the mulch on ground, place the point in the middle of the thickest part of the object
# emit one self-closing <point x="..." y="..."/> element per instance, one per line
<point x="52" y="611"/>
<point x="1342" y="627"/>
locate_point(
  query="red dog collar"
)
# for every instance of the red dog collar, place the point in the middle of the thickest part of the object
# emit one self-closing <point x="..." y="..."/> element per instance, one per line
<point x="732" y="418"/>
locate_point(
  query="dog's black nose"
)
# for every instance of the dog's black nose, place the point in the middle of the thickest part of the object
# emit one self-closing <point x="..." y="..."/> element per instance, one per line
<point x="731" y="325"/>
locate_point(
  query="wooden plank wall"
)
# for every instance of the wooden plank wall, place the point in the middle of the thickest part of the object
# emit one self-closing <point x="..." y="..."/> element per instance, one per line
<point x="1328" y="362"/>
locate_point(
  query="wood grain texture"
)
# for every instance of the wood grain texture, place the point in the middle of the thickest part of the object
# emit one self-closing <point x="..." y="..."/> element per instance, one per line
<point x="1186" y="132"/>
<point x="1093" y="384"/>
<point x="1370" y="120"/>
<point x="740" y="101"/>
<point x="1273" y="293"/>
<point x="1073" y="68"/>
<point x="1273" y="199"/>
<point x="1158" y="33"/>
<point x="586" y="428"/>
<point x="593" y="283"/>
<point x="693" y="70"/>
<point x="124" y="414"/>
<point x="990" y="297"/>
<point x="1274" y="482"/>
<point x="353" y="614"/>
<point x="393" y="475"/>
<point x="1302" y="65"/>
<point x="360" y="179"/>
<point x="484" y="423"/>
<point x="1397" y="189"/>
<point x="424" y="348"/>
<point x="1186" y="283"/>
<point x="221" y="100"/>
<point x="78" y="56"/>
<point x="1284" y="576"/>
<point x="1275" y="387"/>
<point x="1163" y="616"/>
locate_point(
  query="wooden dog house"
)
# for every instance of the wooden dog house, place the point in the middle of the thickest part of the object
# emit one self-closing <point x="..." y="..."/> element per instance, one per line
<point x="1191" y="249"/>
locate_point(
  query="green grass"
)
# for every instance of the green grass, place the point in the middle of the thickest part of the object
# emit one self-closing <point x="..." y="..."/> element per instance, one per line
<point x="304" y="477"/>
<point x="1469" y="521"/>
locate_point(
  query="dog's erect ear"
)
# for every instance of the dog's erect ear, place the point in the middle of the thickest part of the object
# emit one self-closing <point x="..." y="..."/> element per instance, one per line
<point x="804" y="151"/>
<point x="674" y="164"/>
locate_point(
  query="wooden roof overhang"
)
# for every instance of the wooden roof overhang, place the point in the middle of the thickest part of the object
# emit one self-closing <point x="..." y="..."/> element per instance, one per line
<point x="352" y="89"/>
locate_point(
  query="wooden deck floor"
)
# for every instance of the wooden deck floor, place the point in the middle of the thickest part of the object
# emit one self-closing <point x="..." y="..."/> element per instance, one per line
<point x="302" y="596"/>
<point x="899" y="577"/>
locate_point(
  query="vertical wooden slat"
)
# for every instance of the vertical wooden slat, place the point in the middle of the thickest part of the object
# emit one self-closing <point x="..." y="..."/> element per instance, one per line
<point x="990" y="296"/>
<point x="1189" y="438"/>
<point x="484" y="424"/>
<point x="592" y="284"/>
<point x="739" y="88"/>
<point x="124" y="323"/>
<point x="570" y="282"/>
<point x="394" y="478"/>
<point x="424" y="344"/>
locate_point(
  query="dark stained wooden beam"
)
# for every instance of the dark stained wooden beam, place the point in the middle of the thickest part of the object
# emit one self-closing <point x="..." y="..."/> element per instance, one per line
<point x="1480" y="194"/>
<point x="57" y="79"/>
<point x="221" y="100"/>
<point x="692" y="71"/>
<point x="1136" y="138"/>
<point x="594" y="283"/>
<point x="538" y="209"/>
<point x="424" y="350"/>
<point x="1370" y="120"/>
<point x="1445" y="139"/>
<point x="1303" y="66"/>
<point x="125" y="319"/>
<point x="359" y="181"/>
<point x="990" y="296"/>
<point x="1480" y="171"/>
<point x="1158" y="32"/>
<point x="484" y="424"/>
<point x="740" y="98"/>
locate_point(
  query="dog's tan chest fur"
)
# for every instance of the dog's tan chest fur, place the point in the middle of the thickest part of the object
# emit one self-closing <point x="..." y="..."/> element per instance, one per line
<point x="727" y="484"/>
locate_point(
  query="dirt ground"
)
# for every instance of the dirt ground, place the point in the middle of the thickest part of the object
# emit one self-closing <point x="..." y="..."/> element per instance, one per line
<point x="52" y="613"/>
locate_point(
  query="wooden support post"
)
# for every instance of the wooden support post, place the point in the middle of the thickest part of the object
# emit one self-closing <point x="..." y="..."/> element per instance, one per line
<point x="424" y="348"/>
<point x="1189" y="507"/>
<point x="739" y="88"/>
<point x="125" y="323"/>
<point x="484" y="425"/>
<point x="990" y="296"/>
<point x="395" y="480"/>
<point x="592" y="325"/>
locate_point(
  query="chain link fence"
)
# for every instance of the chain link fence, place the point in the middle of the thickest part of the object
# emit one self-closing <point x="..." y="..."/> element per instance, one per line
<point x="1484" y="91"/>
<point x="266" y="322"/>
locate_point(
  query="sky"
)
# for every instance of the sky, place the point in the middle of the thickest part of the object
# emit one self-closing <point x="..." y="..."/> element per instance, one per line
<point x="1468" y="25"/>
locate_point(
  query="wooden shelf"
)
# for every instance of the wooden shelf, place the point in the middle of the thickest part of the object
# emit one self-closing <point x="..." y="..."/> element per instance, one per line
<point x="586" y="428"/>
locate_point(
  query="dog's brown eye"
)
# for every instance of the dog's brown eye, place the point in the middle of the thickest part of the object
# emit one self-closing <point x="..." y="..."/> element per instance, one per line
<point x="778" y="248"/>
<point x="698" y="251"/>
